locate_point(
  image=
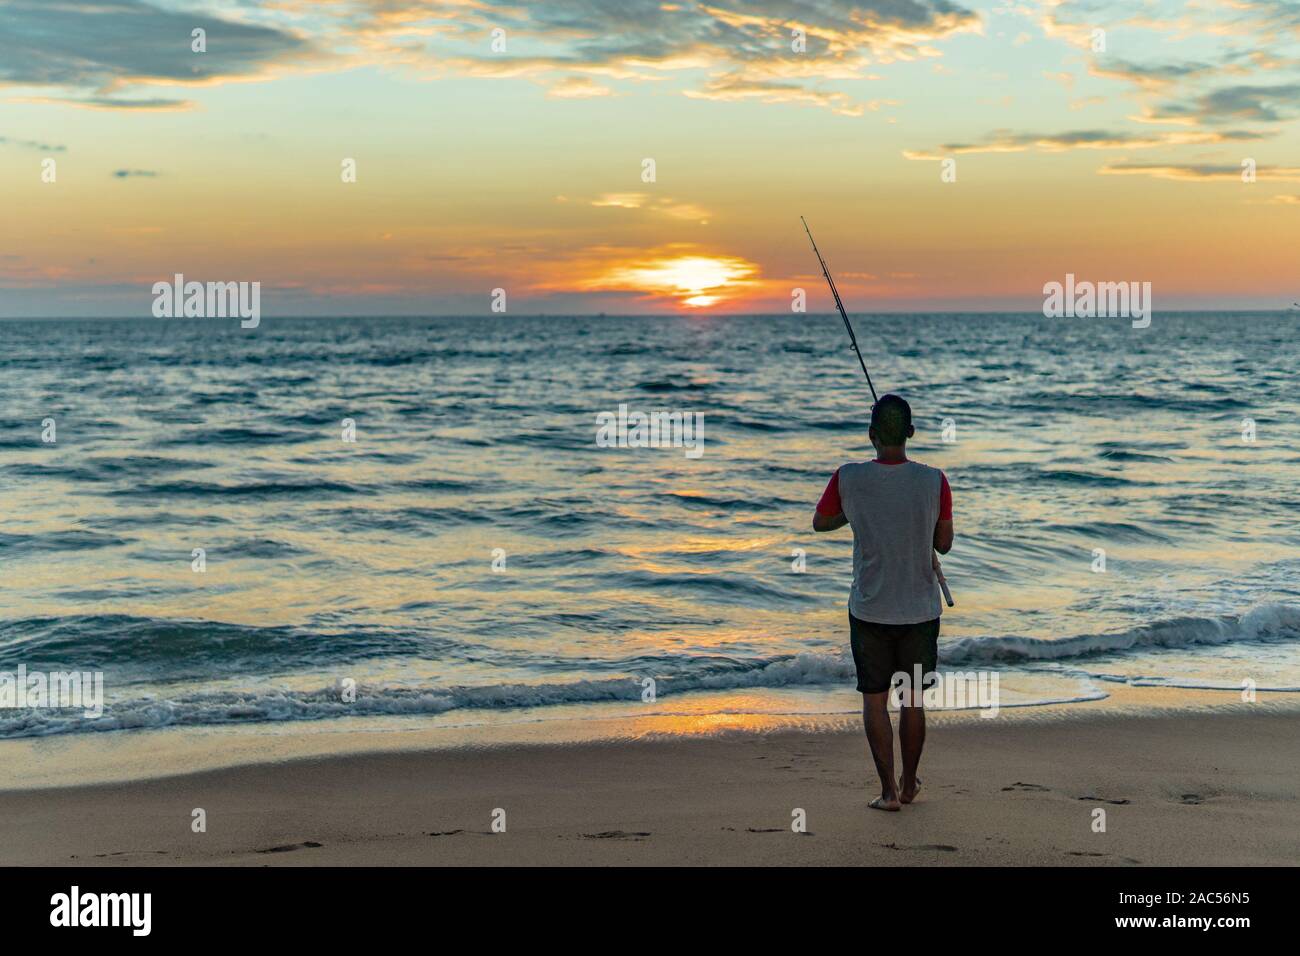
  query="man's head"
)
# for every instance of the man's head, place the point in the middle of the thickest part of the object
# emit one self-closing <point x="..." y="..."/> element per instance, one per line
<point x="891" y="422"/>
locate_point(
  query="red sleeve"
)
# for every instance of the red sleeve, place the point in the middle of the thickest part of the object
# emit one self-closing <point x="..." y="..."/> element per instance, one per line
<point x="830" y="504"/>
<point x="945" y="499"/>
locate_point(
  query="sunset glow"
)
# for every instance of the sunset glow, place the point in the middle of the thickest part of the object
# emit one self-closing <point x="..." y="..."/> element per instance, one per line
<point x="585" y="166"/>
<point x="696" y="281"/>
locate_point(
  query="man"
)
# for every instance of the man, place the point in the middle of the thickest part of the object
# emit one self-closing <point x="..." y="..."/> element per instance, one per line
<point x="901" y="512"/>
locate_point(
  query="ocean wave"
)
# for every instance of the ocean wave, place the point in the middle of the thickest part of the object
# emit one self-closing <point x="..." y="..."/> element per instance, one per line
<point x="1110" y="530"/>
<point x="663" y="386"/>
<point x="1121" y="455"/>
<point x="238" y="436"/>
<point x="18" y="545"/>
<point x="179" y="648"/>
<point x="721" y="587"/>
<point x="253" y="490"/>
<point x="97" y="469"/>
<point x="1078" y="478"/>
<point x="209" y="708"/>
<point x="1268" y="622"/>
<point x="1072" y="401"/>
<point x="672" y="675"/>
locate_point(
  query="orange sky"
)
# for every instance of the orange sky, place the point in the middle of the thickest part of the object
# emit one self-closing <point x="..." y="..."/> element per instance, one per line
<point x="505" y="146"/>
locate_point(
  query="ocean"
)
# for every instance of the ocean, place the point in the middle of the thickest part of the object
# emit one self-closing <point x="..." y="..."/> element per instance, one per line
<point x="201" y="530"/>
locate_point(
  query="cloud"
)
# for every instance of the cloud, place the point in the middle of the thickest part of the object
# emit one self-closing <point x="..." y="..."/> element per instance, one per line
<point x="577" y="87"/>
<point x="1150" y="75"/>
<point x="1261" y="104"/>
<point x="152" y="105"/>
<point x="1008" y="141"/>
<point x="132" y="173"/>
<point x="107" y="45"/>
<point x="15" y="273"/>
<point x="736" y="87"/>
<point x="622" y="200"/>
<point x="1271" y="18"/>
<point x="98" y="50"/>
<point x="731" y="30"/>
<point x="1237" y="38"/>
<point x="1201" y="172"/>
<point x="32" y="144"/>
<point x="746" y="47"/>
<point x="662" y="206"/>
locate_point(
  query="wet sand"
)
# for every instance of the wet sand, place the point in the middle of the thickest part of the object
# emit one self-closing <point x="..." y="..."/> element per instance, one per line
<point x="1201" y="788"/>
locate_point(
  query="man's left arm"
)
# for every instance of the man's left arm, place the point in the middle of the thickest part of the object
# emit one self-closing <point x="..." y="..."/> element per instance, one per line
<point x="943" y="527"/>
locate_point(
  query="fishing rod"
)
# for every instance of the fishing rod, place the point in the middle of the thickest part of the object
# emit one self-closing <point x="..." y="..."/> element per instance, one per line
<point x="840" y="305"/>
<point x="853" y="339"/>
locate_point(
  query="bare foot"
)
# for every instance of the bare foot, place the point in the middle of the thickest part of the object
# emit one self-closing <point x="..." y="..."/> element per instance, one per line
<point x="885" y="803"/>
<point x="907" y="796"/>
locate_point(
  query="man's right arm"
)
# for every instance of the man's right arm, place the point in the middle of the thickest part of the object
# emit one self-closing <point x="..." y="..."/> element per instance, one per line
<point x="830" y="512"/>
<point x="823" y="522"/>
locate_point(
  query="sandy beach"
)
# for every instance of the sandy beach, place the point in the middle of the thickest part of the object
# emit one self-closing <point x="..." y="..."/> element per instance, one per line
<point x="1195" y="788"/>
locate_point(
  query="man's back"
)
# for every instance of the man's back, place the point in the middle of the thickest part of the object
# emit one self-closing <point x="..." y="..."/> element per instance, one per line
<point x="892" y="509"/>
<point x="901" y="513"/>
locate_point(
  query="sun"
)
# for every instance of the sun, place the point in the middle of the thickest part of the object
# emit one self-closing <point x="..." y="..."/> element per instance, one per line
<point x="696" y="281"/>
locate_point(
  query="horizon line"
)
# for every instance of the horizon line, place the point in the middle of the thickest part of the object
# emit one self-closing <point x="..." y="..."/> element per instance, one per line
<point x="1294" y="307"/>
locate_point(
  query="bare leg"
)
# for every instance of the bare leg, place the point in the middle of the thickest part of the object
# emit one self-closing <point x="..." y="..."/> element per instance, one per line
<point x="880" y="735"/>
<point x="911" y="738"/>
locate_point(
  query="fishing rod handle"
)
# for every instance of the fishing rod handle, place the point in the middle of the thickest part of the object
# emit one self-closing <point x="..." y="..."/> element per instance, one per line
<point x="943" y="582"/>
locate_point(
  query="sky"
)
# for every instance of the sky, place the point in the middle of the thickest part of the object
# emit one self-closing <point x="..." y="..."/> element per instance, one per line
<point x="588" y="156"/>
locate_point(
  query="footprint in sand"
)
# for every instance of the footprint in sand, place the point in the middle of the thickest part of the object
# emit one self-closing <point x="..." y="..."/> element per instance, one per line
<point x="288" y="847"/>
<point x="1191" y="799"/>
<point x="923" y="846"/>
<point x="1126" y="859"/>
<point x="616" y="835"/>
<point x="1093" y="799"/>
<point x="1030" y="787"/>
<point x="443" y="832"/>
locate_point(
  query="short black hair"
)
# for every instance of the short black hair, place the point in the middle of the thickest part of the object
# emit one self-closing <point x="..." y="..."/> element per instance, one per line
<point x="891" y="417"/>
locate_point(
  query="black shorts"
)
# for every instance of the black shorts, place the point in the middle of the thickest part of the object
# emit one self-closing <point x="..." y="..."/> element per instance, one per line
<point x="882" y="650"/>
